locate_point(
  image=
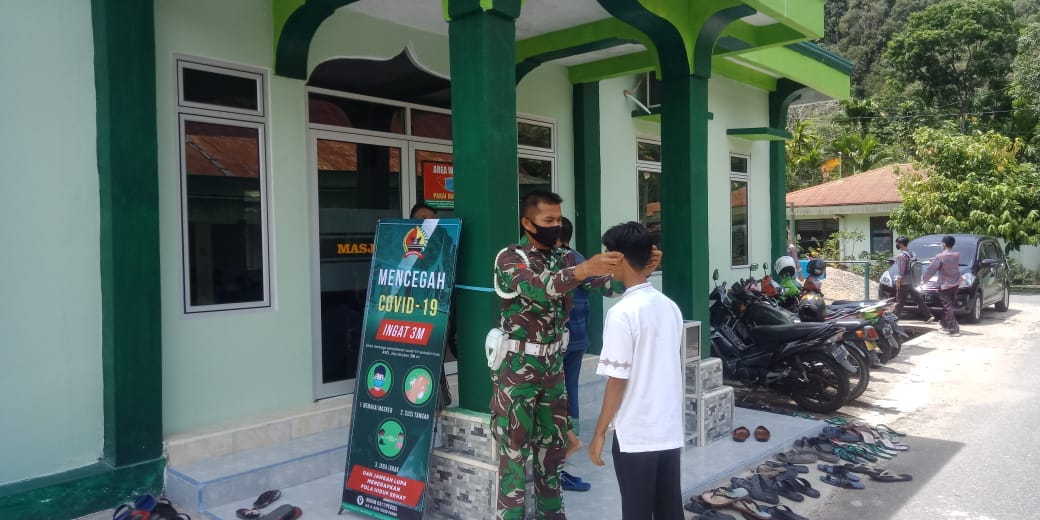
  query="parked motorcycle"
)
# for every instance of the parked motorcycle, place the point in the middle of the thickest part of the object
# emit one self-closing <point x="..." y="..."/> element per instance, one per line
<point x="804" y="360"/>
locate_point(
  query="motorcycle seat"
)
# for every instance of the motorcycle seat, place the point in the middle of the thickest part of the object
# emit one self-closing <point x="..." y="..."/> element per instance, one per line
<point x="772" y="334"/>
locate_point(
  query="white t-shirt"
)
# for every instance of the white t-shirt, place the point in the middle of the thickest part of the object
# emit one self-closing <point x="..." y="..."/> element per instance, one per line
<point x="642" y="342"/>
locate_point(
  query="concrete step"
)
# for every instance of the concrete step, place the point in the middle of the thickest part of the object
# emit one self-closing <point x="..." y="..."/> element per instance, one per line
<point x="204" y="484"/>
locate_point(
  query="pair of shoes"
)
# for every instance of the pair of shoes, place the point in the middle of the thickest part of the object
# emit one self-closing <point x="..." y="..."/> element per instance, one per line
<point x="741" y="433"/>
<point x="571" y="483"/>
<point x="265" y="499"/>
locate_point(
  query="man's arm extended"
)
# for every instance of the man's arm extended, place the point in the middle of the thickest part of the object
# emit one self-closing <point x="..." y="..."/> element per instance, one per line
<point x="611" y="402"/>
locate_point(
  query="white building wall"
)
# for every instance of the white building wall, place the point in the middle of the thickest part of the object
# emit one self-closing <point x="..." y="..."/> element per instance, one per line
<point x="50" y="312"/>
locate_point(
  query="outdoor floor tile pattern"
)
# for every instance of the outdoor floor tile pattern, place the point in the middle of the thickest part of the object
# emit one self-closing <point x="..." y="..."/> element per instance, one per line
<point x="320" y="499"/>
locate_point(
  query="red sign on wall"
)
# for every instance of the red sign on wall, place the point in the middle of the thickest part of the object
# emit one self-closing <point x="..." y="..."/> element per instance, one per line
<point x="438" y="184"/>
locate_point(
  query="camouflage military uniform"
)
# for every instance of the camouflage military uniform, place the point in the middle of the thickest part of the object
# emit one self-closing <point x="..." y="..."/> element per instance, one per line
<point x="529" y="400"/>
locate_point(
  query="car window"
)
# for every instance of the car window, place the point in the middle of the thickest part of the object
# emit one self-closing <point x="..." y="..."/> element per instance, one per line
<point x="925" y="248"/>
<point x="993" y="251"/>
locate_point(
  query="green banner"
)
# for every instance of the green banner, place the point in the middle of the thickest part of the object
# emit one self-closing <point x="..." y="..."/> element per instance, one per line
<point x="406" y="322"/>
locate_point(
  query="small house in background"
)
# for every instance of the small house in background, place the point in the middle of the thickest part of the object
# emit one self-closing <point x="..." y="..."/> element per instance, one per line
<point x="862" y="202"/>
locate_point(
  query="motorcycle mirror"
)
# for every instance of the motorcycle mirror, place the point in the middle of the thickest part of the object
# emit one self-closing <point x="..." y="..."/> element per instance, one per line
<point x="754" y="267"/>
<point x="715" y="275"/>
<point x="765" y="266"/>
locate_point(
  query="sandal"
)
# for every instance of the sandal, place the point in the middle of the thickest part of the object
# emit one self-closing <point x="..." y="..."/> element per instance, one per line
<point x="795" y="457"/>
<point x="248" y="514"/>
<point x="804" y="487"/>
<point x="783" y="512"/>
<point x="848" y="455"/>
<point x="267" y="498"/>
<point x="841" y="482"/>
<point x="750" y="509"/>
<point x="788" y="489"/>
<point x="713" y="514"/>
<point x="838" y="471"/>
<point x="697" y="505"/>
<point x="756" y="489"/>
<point x="888" y="430"/>
<point x="740" y="434"/>
<point x="721" y="496"/>
<point x="886" y="476"/>
<point x="284" y="512"/>
<point x="800" y="468"/>
<point x="762" y="434"/>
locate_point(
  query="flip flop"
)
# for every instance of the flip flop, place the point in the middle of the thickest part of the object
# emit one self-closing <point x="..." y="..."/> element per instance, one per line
<point x="800" y="468"/>
<point x="756" y="489"/>
<point x="888" y="430"/>
<point x="248" y="514"/>
<point x="713" y="514"/>
<point x="267" y="498"/>
<point x="789" y="490"/>
<point x="783" y="512"/>
<point x="804" y="487"/>
<point x="838" y="471"/>
<point x="832" y="432"/>
<point x="796" y="457"/>
<point x="697" y="505"/>
<point x="841" y="482"/>
<point x="886" y="476"/>
<point x="860" y="468"/>
<point x="750" y="509"/>
<point x="721" y="496"/>
<point x="284" y="512"/>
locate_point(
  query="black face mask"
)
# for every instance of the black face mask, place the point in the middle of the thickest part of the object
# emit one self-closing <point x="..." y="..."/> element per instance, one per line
<point x="547" y="236"/>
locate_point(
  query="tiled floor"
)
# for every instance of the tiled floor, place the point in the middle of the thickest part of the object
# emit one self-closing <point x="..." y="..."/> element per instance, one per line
<point x="320" y="499"/>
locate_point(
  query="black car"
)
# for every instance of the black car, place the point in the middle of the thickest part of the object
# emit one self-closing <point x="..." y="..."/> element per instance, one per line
<point x="984" y="275"/>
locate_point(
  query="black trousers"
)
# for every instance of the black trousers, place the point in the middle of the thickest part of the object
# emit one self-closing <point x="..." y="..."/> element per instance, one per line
<point x="948" y="297"/>
<point x="649" y="483"/>
<point x="922" y="308"/>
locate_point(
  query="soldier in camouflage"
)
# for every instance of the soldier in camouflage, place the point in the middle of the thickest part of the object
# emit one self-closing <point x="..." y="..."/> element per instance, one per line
<point x="529" y="400"/>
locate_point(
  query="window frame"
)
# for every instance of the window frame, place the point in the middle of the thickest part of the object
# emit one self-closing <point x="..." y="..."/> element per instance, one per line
<point x="537" y="153"/>
<point x="744" y="177"/>
<point x="185" y="112"/>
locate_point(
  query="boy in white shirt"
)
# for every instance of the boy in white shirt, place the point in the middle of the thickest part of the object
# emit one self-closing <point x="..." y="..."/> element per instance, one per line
<point x="643" y="402"/>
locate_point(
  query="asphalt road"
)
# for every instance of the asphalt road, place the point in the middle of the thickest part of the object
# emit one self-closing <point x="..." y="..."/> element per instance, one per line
<point x="969" y="407"/>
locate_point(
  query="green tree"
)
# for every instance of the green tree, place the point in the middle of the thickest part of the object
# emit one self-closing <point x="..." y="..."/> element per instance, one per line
<point x="805" y="156"/>
<point x="970" y="184"/>
<point x="957" y="52"/>
<point x="859" y="153"/>
<point x="1025" y="69"/>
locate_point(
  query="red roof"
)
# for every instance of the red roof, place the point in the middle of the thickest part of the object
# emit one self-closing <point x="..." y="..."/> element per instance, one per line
<point x="870" y="187"/>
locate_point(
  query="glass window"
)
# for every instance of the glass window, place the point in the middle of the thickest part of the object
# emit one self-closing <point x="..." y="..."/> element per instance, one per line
<point x="435" y="125"/>
<point x="880" y="235"/>
<point x="535" y="173"/>
<point x="650" y="202"/>
<point x="355" y="113"/>
<point x="224" y="213"/>
<point x="534" y="135"/>
<point x="649" y="151"/>
<point x="223" y="167"/>
<point x="738" y="203"/>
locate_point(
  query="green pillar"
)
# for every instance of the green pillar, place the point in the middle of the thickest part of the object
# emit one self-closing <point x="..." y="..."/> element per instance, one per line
<point x="483" y="78"/>
<point x="684" y="196"/>
<point x="588" y="225"/>
<point x="780" y="100"/>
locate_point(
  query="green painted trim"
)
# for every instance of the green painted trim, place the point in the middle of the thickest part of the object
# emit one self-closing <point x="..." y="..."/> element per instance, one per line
<point x="80" y="491"/>
<point x="780" y="100"/>
<point x="740" y="73"/>
<point x="588" y="182"/>
<point x="607" y="29"/>
<point x="709" y="33"/>
<point x="482" y="58"/>
<point x="801" y="69"/>
<point x="617" y="66"/>
<point x="823" y="56"/>
<point x="293" y="37"/>
<point x="760" y="134"/>
<point x="805" y="16"/>
<point x="128" y="158"/>
<point x="751" y="37"/>
<point x="454" y="9"/>
<point x="281" y="10"/>
<point x="667" y="37"/>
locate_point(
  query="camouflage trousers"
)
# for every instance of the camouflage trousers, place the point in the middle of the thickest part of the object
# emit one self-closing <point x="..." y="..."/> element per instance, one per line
<point x="529" y="413"/>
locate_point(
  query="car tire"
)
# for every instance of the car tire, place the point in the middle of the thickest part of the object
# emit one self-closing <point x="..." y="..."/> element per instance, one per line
<point x="975" y="309"/>
<point x="1005" y="300"/>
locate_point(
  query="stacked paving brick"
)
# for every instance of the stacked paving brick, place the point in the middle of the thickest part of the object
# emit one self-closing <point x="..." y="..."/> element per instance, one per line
<point x="709" y="403"/>
<point x="463" y="481"/>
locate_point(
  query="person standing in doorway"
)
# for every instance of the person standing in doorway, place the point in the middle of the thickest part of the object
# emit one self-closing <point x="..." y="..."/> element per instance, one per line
<point x="578" y="343"/>
<point x="529" y="399"/>
<point x="947" y="264"/>
<point x="904" y="286"/>
<point x="643" y="401"/>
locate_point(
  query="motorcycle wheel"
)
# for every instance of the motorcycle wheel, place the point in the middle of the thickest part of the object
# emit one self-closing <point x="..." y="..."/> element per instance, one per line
<point x="825" y="386"/>
<point x="858" y="382"/>
<point x="889" y="346"/>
